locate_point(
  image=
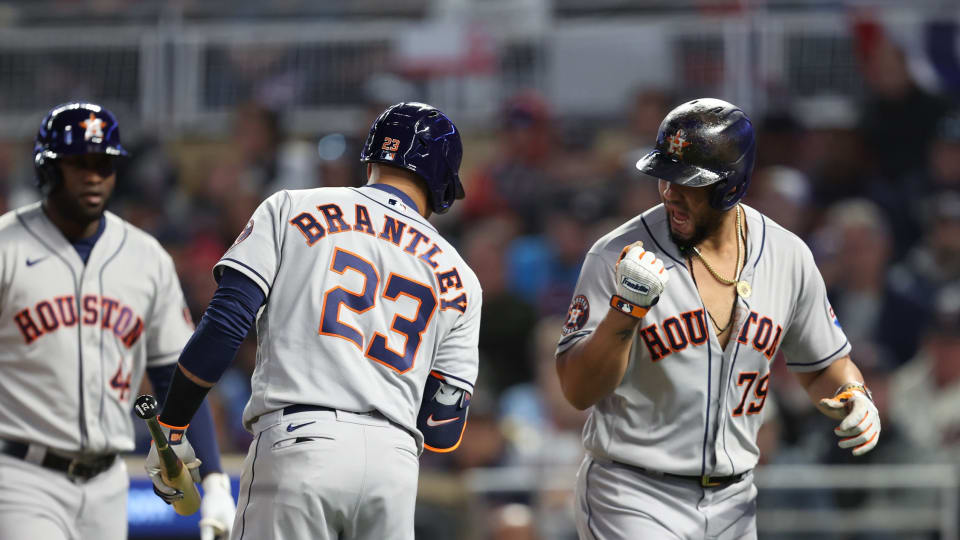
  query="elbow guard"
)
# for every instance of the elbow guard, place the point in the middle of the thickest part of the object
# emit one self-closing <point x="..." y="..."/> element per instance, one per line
<point x="443" y="414"/>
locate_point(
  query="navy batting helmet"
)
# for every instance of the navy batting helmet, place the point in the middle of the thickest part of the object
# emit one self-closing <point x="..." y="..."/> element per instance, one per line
<point x="705" y="142"/>
<point x="421" y="139"/>
<point x="72" y="129"/>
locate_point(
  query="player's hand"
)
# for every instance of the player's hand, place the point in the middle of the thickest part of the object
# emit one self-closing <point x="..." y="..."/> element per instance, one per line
<point x="217" y="507"/>
<point x="859" y="420"/>
<point x="640" y="276"/>
<point x="179" y="443"/>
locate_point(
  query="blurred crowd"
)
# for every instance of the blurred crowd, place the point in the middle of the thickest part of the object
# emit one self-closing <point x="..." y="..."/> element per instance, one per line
<point x="873" y="189"/>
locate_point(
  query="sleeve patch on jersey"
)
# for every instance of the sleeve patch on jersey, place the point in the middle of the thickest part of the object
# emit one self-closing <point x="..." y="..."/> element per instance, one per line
<point x="833" y="316"/>
<point x="245" y="233"/>
<point x="577" y="315"/>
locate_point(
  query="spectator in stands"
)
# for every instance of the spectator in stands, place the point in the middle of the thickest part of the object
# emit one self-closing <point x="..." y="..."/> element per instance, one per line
<point x="934" y="263"/>
<point x="898" y="119"/>
<point x="854" y="247"/>
<point x="781" y="140"/>
<point x="619" y="148"/>
<point x="783" y="194"/>
<point x="543" y="430"/>
<point x="509" y="317"/>
<point x="930" y="382"/>
<point x="522" y="172"/>
<point x="543" y="268"/>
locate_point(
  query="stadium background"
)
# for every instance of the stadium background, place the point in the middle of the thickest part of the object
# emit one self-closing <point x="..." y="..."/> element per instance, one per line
<point x="223" y="103"/>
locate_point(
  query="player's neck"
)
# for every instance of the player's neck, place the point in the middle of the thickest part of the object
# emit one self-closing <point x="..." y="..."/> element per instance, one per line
<point x="404" y="181"/>
<point x="724" y="238"/>
<point x="72" y="229"/>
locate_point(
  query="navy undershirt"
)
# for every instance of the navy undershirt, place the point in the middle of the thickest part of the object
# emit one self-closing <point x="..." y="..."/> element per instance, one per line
<point x="223" y="327"/>
<point x="209" y="353"/>
<point x="85" y="245"/>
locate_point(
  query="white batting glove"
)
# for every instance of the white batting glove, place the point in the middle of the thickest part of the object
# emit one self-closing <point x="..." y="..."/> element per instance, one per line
<point x="217" y="507"/>
<point x="640" y="277"/>
<point x="859" y="419"/>
<point x="179" y="443"/>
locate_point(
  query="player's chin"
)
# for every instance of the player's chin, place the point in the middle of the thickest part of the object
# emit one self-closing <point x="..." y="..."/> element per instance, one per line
<point x="681" y="233"/>
<point x="90" y="210"/>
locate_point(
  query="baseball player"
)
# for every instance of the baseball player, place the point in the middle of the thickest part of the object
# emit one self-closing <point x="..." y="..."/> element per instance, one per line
<point x="88" y="303"/>
<point x="674" y="322"/>
<point x="367" y="329"/>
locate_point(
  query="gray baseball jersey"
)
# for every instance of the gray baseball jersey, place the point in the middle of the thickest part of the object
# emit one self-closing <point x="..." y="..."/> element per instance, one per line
<point x="75" y="338"/>
<point x="685" y="406"/>
<point x="364" y="300"/>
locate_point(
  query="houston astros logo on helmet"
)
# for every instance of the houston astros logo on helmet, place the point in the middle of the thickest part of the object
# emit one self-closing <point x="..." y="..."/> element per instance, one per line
<point x="677" y="143"/>
<point x="94" y="128"/>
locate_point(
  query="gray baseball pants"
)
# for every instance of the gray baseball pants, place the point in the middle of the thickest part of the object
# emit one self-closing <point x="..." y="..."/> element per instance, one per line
<point x="327" y="475"/>
<point x="615" y="502"/>
<point x="37" y="503"/>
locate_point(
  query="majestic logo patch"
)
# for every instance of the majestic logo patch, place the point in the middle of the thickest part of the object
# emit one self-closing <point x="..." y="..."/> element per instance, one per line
<point x="634" y="285"/>
<point x="577" y="315"/>
<point x="94" y="128"/>
<point x="677" y="142"/>
<point x="246" y="232"/>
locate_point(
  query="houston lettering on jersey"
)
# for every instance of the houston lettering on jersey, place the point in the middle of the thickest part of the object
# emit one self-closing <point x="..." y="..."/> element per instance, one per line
<point x="62" y="312"/>
<point x="690" y="329"/>
<point x="393" y="231"/>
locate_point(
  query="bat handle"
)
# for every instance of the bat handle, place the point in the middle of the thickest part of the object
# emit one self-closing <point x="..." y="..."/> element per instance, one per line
<point x="168" y="459"/>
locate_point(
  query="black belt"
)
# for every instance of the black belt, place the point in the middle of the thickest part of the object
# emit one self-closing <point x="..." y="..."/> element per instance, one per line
<point x="79" y="468"/>
<point x="293" y="409"/>
<point x="705" y="480"/>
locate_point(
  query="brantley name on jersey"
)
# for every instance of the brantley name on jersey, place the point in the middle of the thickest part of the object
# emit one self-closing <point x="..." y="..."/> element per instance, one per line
<point x="395" y="231"/>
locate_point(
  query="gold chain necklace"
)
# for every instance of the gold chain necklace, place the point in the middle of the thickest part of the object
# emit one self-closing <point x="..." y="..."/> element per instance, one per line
<point x="743" y="288"/>
<point x="707" y="265"/>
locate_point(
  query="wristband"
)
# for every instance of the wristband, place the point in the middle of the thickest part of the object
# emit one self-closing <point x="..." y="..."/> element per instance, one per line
<point x="186" y="399"/>
<point x="628" y="308"/>
<point x="854" y="386"/>
<point x="176" y="432"/>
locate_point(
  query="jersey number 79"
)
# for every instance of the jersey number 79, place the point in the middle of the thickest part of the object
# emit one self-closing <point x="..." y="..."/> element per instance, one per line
<point x="360" y="302"/>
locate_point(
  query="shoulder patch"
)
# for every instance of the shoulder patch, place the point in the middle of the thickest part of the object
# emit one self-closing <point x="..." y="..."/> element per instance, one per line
<point x="833" y="316"/>
<point x="577" y="315"/>
<point x="245" y="233"/>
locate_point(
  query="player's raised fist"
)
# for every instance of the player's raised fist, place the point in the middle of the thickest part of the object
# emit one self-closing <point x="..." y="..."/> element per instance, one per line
<point x="640" y="276"/>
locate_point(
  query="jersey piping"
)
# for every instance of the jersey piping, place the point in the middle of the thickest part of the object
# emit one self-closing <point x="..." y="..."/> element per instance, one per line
<point x="100" y="281"/>
<point x="416" y="216"/>
<point x="81" y="412"/>
<point x="831" y="355"/>
<point x="263" y="279"/>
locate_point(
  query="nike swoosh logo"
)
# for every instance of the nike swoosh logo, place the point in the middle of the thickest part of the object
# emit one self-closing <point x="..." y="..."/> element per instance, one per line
<point x="35" y="261"/>
<point x="434" y="423"/>
<point x="293" y="427"/>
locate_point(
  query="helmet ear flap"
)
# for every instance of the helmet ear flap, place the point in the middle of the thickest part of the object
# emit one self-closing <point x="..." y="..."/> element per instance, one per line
<point x="723" y="197"/>
<point x="48" y="174"/>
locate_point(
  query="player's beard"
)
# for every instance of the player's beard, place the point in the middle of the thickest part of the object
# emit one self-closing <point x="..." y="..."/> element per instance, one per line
<point x="70" y="207"/>
<point x="704" y="225"/>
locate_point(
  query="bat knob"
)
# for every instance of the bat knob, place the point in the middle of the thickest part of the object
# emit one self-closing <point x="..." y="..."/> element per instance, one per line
<point x="146" y="406"/>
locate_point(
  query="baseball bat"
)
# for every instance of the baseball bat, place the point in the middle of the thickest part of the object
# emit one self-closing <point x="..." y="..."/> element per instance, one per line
<point x="172" y="471"/>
